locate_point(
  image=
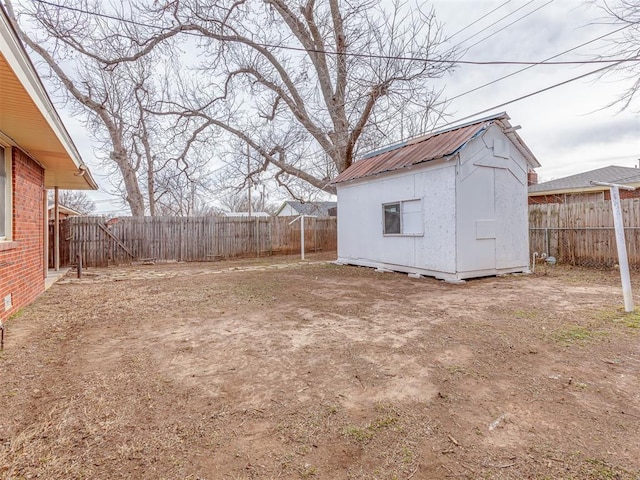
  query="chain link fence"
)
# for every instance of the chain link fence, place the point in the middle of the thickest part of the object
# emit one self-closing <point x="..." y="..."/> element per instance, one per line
<point x="585" y="247"/>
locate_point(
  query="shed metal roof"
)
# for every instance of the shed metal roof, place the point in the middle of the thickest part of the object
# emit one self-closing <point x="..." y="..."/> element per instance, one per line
<point x="581" y="182"/>
<point x="430" y="147"/>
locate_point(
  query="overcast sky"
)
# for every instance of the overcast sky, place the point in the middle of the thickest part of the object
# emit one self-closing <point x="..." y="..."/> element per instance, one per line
<point x="569" y="129"/>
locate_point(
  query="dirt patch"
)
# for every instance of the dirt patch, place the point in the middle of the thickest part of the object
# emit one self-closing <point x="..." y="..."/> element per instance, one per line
<point x="282" y="369"/>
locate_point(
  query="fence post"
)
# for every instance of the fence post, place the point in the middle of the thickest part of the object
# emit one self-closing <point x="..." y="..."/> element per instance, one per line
<point x="79" y="265"/>
<point x="257" y="236"/>
<point x="546" y="241"/>
<point x="302" y="237"/>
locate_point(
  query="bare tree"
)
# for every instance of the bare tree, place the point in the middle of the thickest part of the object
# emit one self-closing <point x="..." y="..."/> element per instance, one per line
<point x="304" y="83"/>
<point x="114" y="91"/>
<point x="625" y="13"/>
<point x="76" y="200"/>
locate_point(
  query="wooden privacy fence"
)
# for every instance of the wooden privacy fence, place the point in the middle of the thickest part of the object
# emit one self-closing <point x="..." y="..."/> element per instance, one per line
<point x="583" y="234"/>
<point x="191" y="239"/>
<point x="64" y="239"/>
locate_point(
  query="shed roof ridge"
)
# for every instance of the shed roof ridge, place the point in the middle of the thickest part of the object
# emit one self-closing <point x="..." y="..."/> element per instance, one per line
<point x="427" y="136"/>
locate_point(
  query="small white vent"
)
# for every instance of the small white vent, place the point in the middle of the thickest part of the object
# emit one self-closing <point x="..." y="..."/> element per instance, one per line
<point x="7" y="302"/>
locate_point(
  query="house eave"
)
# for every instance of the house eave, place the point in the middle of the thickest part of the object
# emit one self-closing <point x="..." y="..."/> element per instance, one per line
<point x="29" y="121"/>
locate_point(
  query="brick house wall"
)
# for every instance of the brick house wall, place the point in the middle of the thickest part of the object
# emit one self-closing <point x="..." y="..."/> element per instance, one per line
<point x="22" y="259"/>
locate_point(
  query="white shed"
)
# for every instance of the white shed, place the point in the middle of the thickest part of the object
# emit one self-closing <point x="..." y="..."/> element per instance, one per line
<point x="451" y="205"/>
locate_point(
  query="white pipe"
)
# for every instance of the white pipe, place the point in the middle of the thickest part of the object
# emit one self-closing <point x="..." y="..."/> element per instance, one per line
<point x="56" y="229"/>
<point x="623" y="261"/>
<point x="302" y="237"/>
<point x="301" y="218"/>
<point x="533" y="266"/>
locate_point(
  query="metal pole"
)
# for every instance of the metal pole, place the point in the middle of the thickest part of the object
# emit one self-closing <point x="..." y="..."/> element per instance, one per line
<point x="301" y="218"/>
<point x="302" y="237"/>
<point x="45" y="233"/>
<point x="56" y="230"/>
<point x="546" y="241"/>
<point x="623" y="261"/>
<point x="249" y="176"/>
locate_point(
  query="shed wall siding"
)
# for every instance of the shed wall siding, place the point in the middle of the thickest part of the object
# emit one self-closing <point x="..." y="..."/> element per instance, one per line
<point x="492" y="220"/>
<point x="360" y="220"/>
<point x="22" y="265"/>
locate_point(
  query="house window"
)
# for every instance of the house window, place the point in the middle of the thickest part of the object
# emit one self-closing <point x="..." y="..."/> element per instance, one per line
<point x="403" y="218"/>
<point x="5" y="193"/>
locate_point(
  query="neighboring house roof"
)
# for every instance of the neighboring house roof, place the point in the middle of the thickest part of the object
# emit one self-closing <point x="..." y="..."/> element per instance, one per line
<point x="28" y="119"/>
<point x="581" y="182"/>
<point x="316" y="209"/>
<point x="434" y="146"/>
<point x="246" y="214"/>
<point x="64" y="210"/>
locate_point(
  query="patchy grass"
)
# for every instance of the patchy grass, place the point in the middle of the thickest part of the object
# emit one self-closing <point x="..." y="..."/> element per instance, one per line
<point x="320" y="371"/>
<point x="598" y="469"/>
<point x="577" y="334"/>
<point x="365" y="434"/>
<point x="619" y="316"/>
<point x="358" y="434"/>
<point x="526" y="314"/>
<point x="455" y="369"/>
<point x="17" y="314"/>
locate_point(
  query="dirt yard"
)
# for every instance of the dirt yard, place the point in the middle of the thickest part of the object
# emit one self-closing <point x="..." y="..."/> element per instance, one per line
<point x="276" y="369"/>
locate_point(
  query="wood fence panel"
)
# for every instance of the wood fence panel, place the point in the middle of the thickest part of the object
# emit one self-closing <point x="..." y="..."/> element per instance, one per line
<point x="583" y="233"/>
<point x="583" y="215"/>
<point x="192" y="238"/>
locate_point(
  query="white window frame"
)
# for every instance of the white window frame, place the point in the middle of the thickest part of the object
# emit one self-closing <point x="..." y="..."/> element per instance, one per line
<point x="7" y="201"/>
<point x="417" y="232"/>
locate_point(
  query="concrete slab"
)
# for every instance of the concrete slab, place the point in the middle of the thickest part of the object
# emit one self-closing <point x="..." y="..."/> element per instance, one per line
<point x="53" y="277"/>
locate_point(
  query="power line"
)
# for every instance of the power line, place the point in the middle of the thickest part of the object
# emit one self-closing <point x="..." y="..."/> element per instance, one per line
<point x="508" y="25"/>
<point x="479" y="19"/>
<point x="185" y="30"/>
<point x="531" y="66"/>
<point x="523" y="97"/>
<point x="496" y="22"/>
<point x="410" y="115"/>
<point x="101" y="15"/>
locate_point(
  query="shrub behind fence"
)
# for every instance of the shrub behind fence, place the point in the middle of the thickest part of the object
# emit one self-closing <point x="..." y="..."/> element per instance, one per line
<point x="192" y="239"/>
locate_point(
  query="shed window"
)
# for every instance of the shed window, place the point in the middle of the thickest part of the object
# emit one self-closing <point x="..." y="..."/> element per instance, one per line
<point x="5" y="194"/>
<point x="392" y="218"/>
<point x="403" y="218"/>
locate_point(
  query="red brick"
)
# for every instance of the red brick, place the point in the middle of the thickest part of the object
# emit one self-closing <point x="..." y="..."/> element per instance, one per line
<point x="22" y="268"/>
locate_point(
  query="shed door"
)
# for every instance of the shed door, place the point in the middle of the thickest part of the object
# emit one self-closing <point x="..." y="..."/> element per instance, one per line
<point x="476" y="222"/>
